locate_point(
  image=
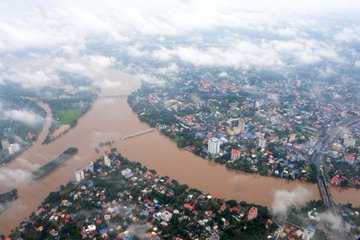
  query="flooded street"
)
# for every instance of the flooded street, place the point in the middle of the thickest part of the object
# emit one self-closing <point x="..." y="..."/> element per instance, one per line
<point x="112" y="119"/>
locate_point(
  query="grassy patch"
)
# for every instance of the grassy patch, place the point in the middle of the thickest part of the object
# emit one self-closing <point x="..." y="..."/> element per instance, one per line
<point x="68" y="116"/>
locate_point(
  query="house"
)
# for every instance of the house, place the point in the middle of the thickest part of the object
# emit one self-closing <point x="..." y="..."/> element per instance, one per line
<point x="350" y="158"/>
<point x="166" y="216"/>
<point x="253" y="212"/>
<point x="189" y="206"/>
<point x="235" y="154"/>
<point x="335" y="180"/>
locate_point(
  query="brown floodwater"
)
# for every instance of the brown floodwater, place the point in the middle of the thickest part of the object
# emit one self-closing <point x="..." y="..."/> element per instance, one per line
<point x="112" y="119"/>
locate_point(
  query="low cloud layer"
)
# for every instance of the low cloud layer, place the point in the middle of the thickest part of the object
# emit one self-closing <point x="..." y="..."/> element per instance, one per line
<point x="11" y="177"/>
<point x="276" y="35"/>
<point x="283" y="199"/>
<point x="27" y="117"/>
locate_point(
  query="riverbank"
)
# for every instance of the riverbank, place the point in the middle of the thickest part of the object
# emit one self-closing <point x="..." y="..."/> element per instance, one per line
<point x="159" y="205"/>
<point x="112" y="119"/>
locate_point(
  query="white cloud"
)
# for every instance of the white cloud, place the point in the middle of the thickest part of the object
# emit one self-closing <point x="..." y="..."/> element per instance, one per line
<point x="135" y="52"/>
<point x="326" y="72"/>
<point x="283" y="199"/>
<point x="287" y="32"/>
<point x="10" y="176"/>
<point x="30" y="77"/>
<point x="172" y="68"/>
<point x="357" y="64"/>
<point x="334" y="220"/>
<point x="37" y="24"/>
<point x="102" y="61"/>
<point x="243" y="54"/>
<point x="223" y="74"/>
<point x="65" y="28"/>
<point x="162" y="54"/>
<point x="348" y="35"/>
<point x="27" y="117"/>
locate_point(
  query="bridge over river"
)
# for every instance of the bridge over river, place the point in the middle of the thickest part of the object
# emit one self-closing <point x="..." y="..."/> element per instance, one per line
<point x="318" y="157"/>
<point x="139" y="133"/>
<point x="112" y="96"/>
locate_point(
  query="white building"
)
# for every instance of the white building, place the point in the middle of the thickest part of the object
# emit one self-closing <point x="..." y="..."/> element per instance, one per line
<point x="14" y="148"/>
<point x="107" y="161"/>
<point x="313" y="140"/>
<point x="262" y="142"/>
<point x="90" y="166"/>
<point x="214" y="146"/>
<point x="125" y="171"/>
<point x="242" y="125"/>
<point x="166" y="216"/>
<point x="79" y="175"/>
<point x="349" y="140"/>
<point x="308" y="233"/>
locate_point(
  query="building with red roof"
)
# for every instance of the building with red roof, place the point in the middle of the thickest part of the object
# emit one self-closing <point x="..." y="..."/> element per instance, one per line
<point x="253" y="212"/>
<point x="235" y="154"/>
<point x="335" y="180"/>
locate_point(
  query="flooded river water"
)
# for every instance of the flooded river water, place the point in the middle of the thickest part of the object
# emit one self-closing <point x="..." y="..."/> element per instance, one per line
<point x="112" y="119"/>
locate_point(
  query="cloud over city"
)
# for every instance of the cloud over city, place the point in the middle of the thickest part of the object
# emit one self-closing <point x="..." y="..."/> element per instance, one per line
<point x="248" y="37"/>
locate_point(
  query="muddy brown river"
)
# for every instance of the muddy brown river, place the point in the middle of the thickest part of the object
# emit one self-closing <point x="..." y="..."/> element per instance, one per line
<point x="112" y="119"/>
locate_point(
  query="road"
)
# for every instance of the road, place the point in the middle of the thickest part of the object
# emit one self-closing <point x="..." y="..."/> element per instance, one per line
<point x="318" y="157"/>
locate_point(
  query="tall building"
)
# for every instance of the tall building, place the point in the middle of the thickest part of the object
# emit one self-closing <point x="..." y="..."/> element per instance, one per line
<point x="107" y="161"/>
<point x="214" y="146"/>
<point x="241" y="125"/>
<point x="14" y="148"/>
<point x="235" y="154"/>
<point x="313" y="140"/>
<point x="237" y="126"/>
<point x="79" y="175"/>
<point x="5" y="143"/>
<point x="90" y="166"/>
<point x="349" y="140"/>
<point x="262" y="142"/>
<point x="292" y="137"/>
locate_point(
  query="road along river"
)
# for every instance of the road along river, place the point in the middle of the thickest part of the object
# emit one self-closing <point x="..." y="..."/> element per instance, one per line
<point x="113" y="119"/>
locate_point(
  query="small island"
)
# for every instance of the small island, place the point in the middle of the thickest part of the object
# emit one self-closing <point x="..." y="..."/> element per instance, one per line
<point x="52" y="165"/>
<point x="7" y="198"/>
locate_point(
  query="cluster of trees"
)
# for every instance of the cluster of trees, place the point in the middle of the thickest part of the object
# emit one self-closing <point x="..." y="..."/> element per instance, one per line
<point x="8" y="197"/>
<point x="52" y="165"/>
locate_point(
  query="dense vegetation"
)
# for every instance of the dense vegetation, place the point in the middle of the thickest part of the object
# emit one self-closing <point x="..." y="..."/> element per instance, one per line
<point x="7" y="198"/>
<point x="52" y="165"/>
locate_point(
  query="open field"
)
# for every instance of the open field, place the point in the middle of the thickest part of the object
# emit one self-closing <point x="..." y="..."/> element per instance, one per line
<point x="68" y="116"/>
